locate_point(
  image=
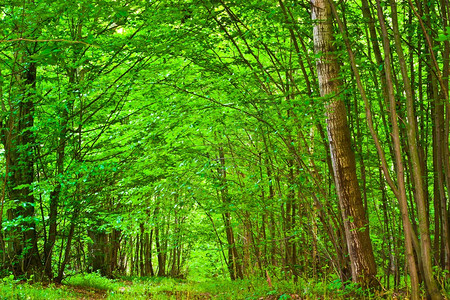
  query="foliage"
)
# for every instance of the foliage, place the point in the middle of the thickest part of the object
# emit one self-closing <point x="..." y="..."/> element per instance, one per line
<point x="187" y="139"/>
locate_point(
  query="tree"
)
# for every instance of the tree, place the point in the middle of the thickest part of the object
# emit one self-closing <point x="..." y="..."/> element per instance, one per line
<point x="344" y="165"/>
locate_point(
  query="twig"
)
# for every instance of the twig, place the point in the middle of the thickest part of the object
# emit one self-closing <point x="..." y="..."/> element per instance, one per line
<point x="54" y="40"/>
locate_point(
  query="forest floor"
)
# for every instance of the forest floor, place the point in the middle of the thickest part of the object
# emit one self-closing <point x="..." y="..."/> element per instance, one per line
<point x="93" y="286"/>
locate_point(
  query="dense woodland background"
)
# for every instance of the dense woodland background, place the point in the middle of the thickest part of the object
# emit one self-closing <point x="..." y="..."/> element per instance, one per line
<point x="199" y="138"/>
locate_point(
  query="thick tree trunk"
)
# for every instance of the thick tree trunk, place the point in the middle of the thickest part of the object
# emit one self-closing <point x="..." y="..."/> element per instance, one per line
<point x="113" y="253"/>
<point x="343" y="159"/>
<point x="97" y="251"/>
<point x="21" y="164"/>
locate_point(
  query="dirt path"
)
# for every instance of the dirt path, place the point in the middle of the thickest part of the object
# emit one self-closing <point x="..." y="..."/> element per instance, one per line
<point x="85" y="293"/>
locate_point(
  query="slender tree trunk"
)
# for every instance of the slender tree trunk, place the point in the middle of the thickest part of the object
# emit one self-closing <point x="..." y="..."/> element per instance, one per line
<point x="148" y="256"/>
<point x="343" y="159"/>
<point x="142" y="251"/>
<point x="417" y="172"/>
<point x="159" y="250"/>
<point x="66" y="260"/>
<point x="55" y="194"/>
<point x="234" y="259"/>
<point x="136" y="255"/>
<point x="408" y="230"/>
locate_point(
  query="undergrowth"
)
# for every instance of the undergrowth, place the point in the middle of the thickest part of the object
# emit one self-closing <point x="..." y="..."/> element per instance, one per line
<point x="11" y="288"/>
<point x="94" y="286"/>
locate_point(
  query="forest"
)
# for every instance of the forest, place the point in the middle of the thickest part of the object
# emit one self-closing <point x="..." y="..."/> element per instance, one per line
<point x="226" y="149"/>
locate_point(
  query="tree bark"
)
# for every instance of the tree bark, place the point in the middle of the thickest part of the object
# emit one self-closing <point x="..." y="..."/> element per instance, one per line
<point x="417" y="172"/>
<point x="19" y="149"/>
<point x="408" y="230"/>
<point x="343" y="159"/>
<point x="160" y="253"/>
<point x="234" y="259"/>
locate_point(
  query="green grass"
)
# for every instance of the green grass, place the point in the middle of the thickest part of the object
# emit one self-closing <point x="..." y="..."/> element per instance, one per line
<point x="93" y="286"/>
<point x="92" y="280"/>
<point x="14" y="290"/>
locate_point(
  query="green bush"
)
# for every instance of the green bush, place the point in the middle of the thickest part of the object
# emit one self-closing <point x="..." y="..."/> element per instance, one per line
<point x="92" y="280"/>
